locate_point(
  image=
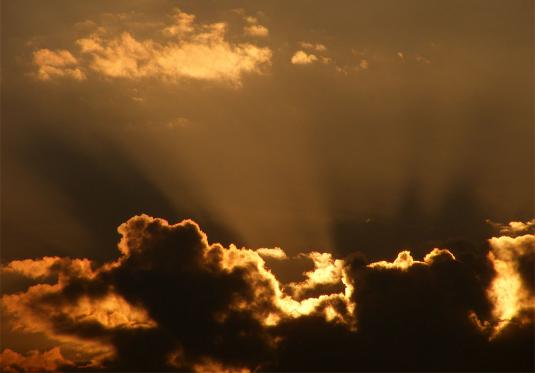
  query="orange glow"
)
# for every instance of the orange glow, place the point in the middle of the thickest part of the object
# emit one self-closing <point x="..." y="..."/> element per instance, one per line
<point x="326" y="271"/>
<point x="507" y="291"/>
<point x="112" y="311"/>
<point x="34" y="361"/>
<point x="39" y="268"/>
<point x="32" y="268"/>
<point x="275" y="253"/>
<point x="210" y="366"/>
<point x="404" y="260"/>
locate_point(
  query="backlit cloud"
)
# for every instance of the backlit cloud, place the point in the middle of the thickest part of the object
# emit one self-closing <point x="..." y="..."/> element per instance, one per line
<point x="195" y="305"/>
<point x="514" y="228"/>
<point x="512" y="290"/>
<point x="34" y="361"/>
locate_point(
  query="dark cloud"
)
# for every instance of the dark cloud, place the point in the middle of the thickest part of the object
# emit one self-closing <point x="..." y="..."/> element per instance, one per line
<point x="526" y="268"/>
<point x="420" y="316"/>
<point x="172" y="274"/>
<point x="174" y="301"/>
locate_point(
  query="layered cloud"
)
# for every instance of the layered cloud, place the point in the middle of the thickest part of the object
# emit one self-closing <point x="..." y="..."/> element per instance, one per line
<point x="173" y="300"/>
<point x="181" y="49"/>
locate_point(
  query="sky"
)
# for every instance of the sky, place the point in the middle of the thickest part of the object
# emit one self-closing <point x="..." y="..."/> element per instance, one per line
<point x="272" y="177"/>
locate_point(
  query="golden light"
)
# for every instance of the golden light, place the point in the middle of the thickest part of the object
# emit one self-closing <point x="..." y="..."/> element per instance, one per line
<point x="507" y="291"/>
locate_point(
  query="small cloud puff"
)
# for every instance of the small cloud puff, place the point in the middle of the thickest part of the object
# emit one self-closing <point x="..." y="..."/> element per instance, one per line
<point x="302" y="58"/>
<point x="313" y="46"/>
<point x="253" y="28"/>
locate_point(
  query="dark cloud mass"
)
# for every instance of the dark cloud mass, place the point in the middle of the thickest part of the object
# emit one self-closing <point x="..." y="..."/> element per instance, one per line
<point x="171" y="300"/>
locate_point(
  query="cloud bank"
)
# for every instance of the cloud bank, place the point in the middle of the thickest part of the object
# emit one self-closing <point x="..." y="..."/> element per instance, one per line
<point x="172" y="300"/>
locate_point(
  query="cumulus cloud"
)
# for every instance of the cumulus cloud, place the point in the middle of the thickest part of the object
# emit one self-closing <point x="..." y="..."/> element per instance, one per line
<point x="173" y="300"/>
<point x="188" y="50"/>
<point x="302" y="58"/>
<point x="168" y="282"/>
<point x="54" y="64"/>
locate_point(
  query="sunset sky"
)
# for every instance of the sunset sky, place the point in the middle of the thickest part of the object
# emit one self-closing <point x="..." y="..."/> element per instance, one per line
<point x="267" y="185"/>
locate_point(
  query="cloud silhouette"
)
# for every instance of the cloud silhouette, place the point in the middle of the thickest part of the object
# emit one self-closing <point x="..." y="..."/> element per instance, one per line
<point x="173" y="300"/>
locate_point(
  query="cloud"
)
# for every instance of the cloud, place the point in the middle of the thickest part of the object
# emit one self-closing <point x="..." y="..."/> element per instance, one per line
<point x="184" y="24"/>
<point x="188" y="50"/>
<point x="205" y="299"/>
<point x="254" y="29"/>
<point x="514" y="228"/>
<point x="404" y="260"/>
<point x="512" y="288"/>
<point x="275" y="252"/>
<point x="313" y="46"/>
<point x="364" y="64"/>
<point x="173" y="300"/>
<point x="46" y="266"/>
<point x="303" y="58"/>
<point x="327" y="274"/>
<point x="34" y="361"/>
<point x="55" y="64"/>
